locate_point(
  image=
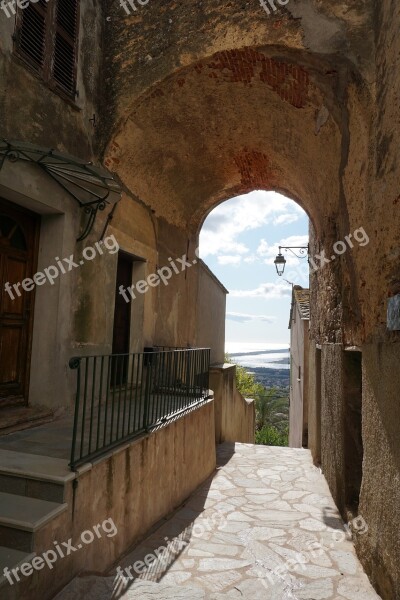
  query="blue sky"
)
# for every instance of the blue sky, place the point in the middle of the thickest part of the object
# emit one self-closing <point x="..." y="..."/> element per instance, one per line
<point x="239" y="241"/>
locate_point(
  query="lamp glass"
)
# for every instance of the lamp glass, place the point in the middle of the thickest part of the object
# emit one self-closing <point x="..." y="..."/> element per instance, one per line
<point x="280" y="263"/>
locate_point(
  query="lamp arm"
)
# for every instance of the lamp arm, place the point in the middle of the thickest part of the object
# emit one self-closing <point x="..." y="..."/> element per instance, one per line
<point x="303" y="250"/>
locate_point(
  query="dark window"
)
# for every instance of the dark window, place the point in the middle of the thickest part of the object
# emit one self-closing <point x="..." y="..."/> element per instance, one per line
<point x="11" y="234"/>
<point x="46" y="37"/>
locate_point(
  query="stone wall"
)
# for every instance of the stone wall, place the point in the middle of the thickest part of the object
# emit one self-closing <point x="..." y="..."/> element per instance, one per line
<point x="380" y="489"/>
<point x="368" y="488"/>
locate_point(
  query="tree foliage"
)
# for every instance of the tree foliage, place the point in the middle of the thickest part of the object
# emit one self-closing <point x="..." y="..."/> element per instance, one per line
<point x="272" y="409"/>
<point x="269" y="436"/>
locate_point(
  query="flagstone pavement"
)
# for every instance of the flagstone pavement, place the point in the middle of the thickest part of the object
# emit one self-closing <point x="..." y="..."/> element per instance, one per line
<point x="263" y="527"/>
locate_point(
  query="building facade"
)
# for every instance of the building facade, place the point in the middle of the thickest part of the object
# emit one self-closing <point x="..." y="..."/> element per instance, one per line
<point x="299" y="367"/>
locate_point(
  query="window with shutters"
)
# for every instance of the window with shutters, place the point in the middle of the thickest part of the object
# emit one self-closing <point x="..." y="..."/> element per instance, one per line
<point x="46" y="38"/>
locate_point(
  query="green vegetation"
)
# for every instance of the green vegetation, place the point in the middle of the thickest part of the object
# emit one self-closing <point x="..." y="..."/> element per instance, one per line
<point x="272" y="408"/>
<point x="269" y="436"/>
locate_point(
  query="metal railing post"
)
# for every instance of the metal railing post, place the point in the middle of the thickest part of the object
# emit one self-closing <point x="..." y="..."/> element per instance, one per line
<point x="75" y="363"/>
<point x="147" y="393"/>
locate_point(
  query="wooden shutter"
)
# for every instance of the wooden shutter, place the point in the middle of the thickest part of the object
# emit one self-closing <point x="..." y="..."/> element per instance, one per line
<point x="65" y="38"/>
<point x="31" y="33"/>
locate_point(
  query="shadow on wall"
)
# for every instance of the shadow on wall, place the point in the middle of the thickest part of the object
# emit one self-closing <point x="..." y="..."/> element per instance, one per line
<point x="154" y="559"/>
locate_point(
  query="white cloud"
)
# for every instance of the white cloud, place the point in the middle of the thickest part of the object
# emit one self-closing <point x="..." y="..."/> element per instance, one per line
<point x="250" y="259"/>
<point x="287" y="218"/>
<point x="295" y="240"/>
<point x="265" y="290"/>
<point x="251" y="211"/>
<point x="245" y="318"/>
<point x="264" y="248"/>
<point x="229" y="259"/>
<point x="268" y="252"/>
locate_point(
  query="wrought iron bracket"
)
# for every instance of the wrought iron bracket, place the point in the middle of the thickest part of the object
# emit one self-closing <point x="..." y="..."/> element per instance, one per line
<point x="304" y="251"/>
<point x="92" y="187"/>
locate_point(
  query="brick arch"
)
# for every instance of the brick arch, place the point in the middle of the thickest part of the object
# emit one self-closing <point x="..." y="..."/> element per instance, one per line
<point x="262" y="117"/>
<point x="177" y="73"/>
<point x="244" y="119"/>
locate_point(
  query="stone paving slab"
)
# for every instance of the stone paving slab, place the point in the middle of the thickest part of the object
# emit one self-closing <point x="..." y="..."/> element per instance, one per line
<point x="264" y="527"/>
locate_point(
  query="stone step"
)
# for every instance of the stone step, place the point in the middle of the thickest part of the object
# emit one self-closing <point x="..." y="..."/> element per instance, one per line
<point x="33" y="488"/>
<point x="10" y="558"/>
<point x="23" y="417"/>
<point x="21" y="517"/>
<point x="32" y="475"/>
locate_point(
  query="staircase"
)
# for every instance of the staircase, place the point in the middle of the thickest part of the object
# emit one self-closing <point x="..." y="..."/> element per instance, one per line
<point x="32" y="507"/>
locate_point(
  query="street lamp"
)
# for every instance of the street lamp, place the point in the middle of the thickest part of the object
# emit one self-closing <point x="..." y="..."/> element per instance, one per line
<point x="280" y="260"/>
<point x="280" y="263"/>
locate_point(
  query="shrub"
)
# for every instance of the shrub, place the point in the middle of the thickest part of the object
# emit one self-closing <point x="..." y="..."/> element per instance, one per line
<point x="270" y="436"/>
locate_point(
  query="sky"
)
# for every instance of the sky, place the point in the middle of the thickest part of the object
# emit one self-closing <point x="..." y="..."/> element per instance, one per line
<point x="239" y="241"/>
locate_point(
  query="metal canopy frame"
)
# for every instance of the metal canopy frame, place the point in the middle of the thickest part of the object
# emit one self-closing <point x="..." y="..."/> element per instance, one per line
<point x="89" y="185"/>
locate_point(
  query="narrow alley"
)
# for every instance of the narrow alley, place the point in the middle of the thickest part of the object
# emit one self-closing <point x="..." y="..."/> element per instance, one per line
<point x="265" y="526"/>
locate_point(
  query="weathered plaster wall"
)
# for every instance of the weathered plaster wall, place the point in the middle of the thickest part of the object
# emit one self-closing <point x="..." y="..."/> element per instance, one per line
<point x="30" y="111"/>
<point x="234" y="414"/>
<point x="211" y="308"/>
<point x="380" y="278"/>
<point x="133" y="229"/>
<point x="380" y="491"/>
<point x="314" y="402"/>
<point x="176" y="318"/>
<point x="332" y="416"/>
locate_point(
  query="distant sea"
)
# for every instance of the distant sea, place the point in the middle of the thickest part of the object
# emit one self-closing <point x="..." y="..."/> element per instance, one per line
<point x="259" y="355"/>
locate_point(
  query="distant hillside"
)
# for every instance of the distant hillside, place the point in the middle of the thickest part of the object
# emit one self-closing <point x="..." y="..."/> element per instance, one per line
<point x="277" y="378"/>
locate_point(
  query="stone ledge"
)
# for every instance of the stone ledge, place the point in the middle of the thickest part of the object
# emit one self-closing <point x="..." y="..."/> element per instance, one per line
<point x="14" y="419"/>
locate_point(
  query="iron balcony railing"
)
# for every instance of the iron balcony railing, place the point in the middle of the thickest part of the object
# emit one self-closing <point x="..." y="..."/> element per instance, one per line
<point x="121" y="396"/>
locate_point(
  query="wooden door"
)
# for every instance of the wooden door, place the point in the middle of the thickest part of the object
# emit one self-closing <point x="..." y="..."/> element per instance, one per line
<point x="18" y="254"/>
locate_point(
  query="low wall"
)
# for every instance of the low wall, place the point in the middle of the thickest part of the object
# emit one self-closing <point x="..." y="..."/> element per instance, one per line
<point x="234" y="415"/>
<point x="135" y="486"/>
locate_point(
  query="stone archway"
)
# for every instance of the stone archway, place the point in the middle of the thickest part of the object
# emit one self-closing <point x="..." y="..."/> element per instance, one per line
<point x="265" y="117"/>
<point x="250" y="118"/>
<point x="210" y="100"/>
